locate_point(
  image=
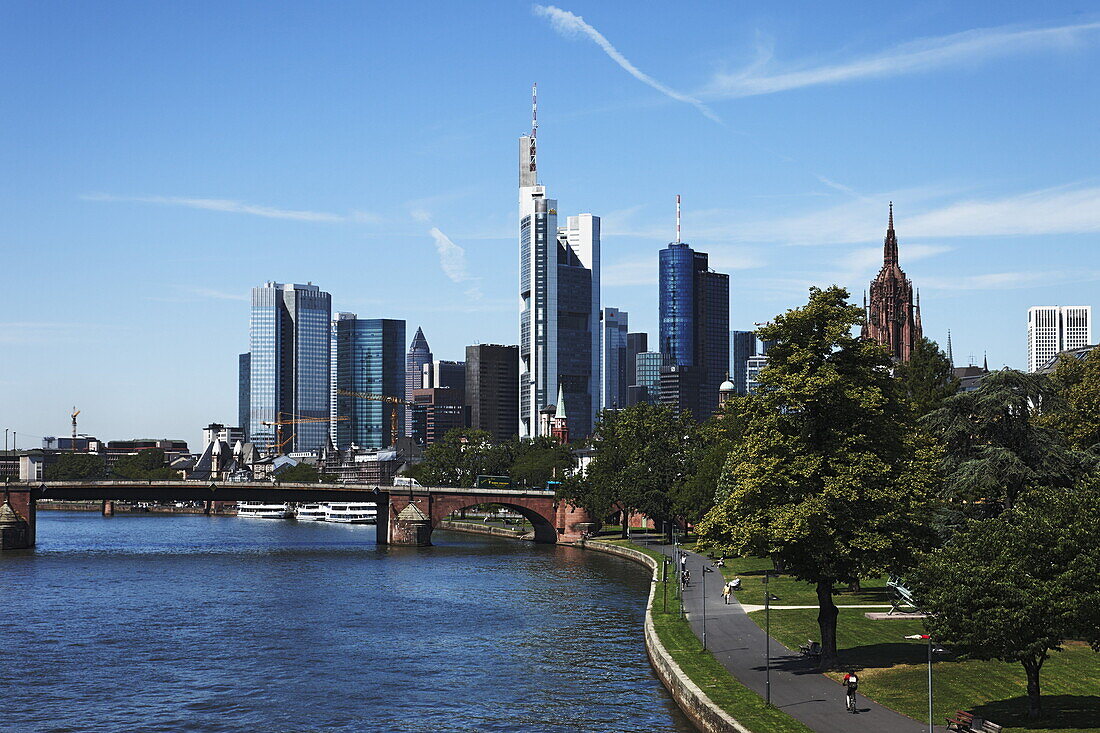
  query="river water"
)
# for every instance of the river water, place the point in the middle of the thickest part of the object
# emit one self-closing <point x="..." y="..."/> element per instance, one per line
<point x="191" y="623"/>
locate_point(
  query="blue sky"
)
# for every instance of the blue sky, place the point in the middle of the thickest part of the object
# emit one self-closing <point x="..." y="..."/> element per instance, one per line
<point x="160" y="159"/>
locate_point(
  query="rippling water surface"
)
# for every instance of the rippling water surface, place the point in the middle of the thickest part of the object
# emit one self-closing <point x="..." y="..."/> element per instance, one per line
<point x="190" y="623"/>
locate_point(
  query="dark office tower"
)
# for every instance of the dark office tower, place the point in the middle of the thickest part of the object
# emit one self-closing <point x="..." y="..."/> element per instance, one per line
<point x="437" y="411"/>
<point x="492" y="373"/>
<point x="681" y="389"/>
<point x="450" y="374"/>
<point x="289" y="364"/>
<point x="368" y="359"/>
<point x="742" y="346"/>
<point x="694" y="320"/>
<point x="636" y="343"/>
<point x="244" y="391"/>
<point x="419" y="355"/>
<point x="613" y="371"/>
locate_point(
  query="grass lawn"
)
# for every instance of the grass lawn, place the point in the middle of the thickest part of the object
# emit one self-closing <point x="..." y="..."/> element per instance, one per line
<point x="706" y="671"/>
<point x="794" y="592"/>
<point x="895" y="674"/>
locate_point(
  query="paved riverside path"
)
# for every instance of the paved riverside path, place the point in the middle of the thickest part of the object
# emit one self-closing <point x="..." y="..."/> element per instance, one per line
<point x="798" y="689"/>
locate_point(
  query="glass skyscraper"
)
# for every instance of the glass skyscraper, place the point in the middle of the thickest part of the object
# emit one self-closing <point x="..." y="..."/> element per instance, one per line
<point x="369" y="357"/>
<point x="419" y="355"/>
<point x="289" y="364"/>
<point x="647" y="367"/>
<point x="694" y="321"/>
<point x="244" y="391"/>
<point x="742" y="346"/>
<point x="559" y="290"/>
<point x="613" y="371"/>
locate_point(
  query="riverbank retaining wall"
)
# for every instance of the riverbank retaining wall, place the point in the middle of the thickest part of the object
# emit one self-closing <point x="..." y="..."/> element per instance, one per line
<point x="472" y="528"/>
<point x="703" y="712"/>
<point x="121" y="508"/>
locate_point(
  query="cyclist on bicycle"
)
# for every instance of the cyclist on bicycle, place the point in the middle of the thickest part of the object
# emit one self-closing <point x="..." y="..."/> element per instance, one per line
<point x="851" y="683"/>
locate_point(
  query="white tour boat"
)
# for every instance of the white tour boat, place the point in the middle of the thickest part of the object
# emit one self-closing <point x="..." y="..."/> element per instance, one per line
<point x="352" y="513"/>
<point x="312" y="512"/>
<point x="260" y="510"/>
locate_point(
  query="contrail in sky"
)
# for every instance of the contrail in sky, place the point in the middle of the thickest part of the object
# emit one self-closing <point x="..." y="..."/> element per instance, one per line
<point x="569" y="24"/>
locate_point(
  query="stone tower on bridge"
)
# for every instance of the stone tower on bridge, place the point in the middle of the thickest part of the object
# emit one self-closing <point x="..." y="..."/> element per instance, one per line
<point x="892" y="317"/>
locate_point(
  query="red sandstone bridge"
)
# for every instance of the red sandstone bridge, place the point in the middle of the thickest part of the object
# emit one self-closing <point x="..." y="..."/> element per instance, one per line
<point x="406" y="515"/>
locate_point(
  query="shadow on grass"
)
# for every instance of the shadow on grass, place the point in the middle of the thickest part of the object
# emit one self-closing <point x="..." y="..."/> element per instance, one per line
<point x="885" y="656"/>
<point x="1059" y="711"/>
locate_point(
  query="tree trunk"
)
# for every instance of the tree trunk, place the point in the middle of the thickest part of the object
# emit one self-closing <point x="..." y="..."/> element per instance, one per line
<point x="826" y="622"/>
<point x="626" y="526"/>
<point x="1034" y="701"/>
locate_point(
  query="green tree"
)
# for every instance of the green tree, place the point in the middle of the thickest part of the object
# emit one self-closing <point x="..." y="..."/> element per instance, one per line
<point x="1017" y="586"/>
<point x="538" y="460"/>
<point x="77" y="467"/>
<point x="927" y="378"/>
<point x="145" y="465"/>
<point x="641" y="456"/>
<point x="304" y="473"/>
<point x="1077" y="417"/>
<point x="996" y="446"/>
<point x="826" y="481"/>
<point x="462" y="456"/>
<point x="713" y="441"/>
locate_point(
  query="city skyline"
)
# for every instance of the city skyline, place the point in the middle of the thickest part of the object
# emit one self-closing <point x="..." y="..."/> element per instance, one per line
<point x="168" y="195"/>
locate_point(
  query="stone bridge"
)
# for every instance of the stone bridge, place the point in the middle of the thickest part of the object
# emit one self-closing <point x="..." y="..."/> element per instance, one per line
<point x="406" y="515"/>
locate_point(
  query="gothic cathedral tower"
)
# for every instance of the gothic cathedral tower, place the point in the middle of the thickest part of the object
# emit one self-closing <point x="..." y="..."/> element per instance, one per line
<point x="893" y="313"/>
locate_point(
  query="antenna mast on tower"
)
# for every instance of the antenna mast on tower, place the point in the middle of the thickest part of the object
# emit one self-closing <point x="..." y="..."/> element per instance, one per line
<point x="534" y="129"/>
<point x="677" y="218"/>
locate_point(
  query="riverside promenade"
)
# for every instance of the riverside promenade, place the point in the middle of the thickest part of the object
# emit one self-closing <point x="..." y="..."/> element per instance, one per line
<point x="797" y="688"/>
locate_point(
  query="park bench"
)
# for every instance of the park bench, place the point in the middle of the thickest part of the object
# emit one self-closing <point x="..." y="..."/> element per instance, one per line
<point x="811" y="649"/>
<point x="964" y="721"/>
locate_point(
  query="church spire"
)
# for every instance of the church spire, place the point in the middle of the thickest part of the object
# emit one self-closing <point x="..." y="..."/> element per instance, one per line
<point x="890" y="245"/>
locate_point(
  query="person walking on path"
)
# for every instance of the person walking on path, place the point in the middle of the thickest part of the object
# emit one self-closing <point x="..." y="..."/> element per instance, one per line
<point x="726" y="593"/>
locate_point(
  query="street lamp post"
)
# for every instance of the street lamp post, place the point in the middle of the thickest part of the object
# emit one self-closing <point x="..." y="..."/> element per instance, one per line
<point x="705" y="571"/>
<point x="927" y="637"/>
<point x="767" y="641"/>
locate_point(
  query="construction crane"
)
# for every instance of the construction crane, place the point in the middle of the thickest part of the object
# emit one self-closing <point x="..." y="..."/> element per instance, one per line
<point x="73" y="416"/>
<point x="381" y="398"/>
<point x="290" y="419"/>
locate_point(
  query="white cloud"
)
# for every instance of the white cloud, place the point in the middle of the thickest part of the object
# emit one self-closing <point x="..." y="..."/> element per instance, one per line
<point x="452" y="260"/>
<point x="908" y="58"/>
<point x="568" y="24"/>
<point x="237" y="207"/>
<point x="1049" y="211"/>
<point x="1010" y="280"/>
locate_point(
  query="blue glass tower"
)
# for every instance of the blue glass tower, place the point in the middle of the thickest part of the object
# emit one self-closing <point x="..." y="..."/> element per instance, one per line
<point x="694" y="324"/>
<point x="289" y="364"/>
<point x="368" y="356"/>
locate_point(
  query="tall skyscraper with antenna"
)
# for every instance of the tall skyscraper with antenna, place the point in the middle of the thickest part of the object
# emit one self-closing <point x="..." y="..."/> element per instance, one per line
<point x="693" y="325"/>
<point x="559" y="291"/>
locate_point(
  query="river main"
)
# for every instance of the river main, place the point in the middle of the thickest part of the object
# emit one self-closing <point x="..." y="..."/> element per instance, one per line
<point x="191" y="623"/>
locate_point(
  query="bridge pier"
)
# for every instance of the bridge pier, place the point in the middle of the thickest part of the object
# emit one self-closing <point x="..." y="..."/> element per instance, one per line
<point x="108" y="508"/>
<point x="17" y="515"/>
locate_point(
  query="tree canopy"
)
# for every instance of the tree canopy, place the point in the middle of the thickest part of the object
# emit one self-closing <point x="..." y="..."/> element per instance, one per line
<point x="640" y="461"/>
<point x="77" y="467"/>
<point x="1015" y="587"/>
<point x="997" y="448"/>
<point x="1077" y="416"/>
<point x="827" y="480"/>
<point x="145" y="465"/>
<point x="462" y="456"/>
<point x="927" y="379"/>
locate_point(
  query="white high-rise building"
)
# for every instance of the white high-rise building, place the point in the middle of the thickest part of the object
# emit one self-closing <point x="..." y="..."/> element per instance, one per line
<point x="1052" y="329"/>
<point x="559" y="293"/>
